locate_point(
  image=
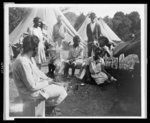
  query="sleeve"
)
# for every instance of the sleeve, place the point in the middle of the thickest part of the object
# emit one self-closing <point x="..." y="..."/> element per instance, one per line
<point x="28" y="79"/>
<point x="41" y="74"/>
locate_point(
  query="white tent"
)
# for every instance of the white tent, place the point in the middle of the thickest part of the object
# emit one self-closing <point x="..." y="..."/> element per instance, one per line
<point x="49" y="16"/>
<point x="105" y="31"/>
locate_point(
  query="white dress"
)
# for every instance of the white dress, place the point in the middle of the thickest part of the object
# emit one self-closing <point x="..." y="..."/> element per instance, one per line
<point x="96" y="70"/>
<point x="40" y="58"/>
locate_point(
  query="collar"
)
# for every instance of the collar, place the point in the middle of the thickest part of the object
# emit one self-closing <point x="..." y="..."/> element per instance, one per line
<point x="93" y="23"/>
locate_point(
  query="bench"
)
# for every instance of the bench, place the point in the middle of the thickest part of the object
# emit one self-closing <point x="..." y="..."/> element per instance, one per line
<point x="27" y="107"/>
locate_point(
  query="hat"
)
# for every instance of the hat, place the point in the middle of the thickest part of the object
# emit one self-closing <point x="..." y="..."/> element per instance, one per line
<point x="36" y="19"/>
<point x="92" y="15"/>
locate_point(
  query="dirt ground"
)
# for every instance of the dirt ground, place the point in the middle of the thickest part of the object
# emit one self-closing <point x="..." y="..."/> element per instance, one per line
<point x="115" y="99"/>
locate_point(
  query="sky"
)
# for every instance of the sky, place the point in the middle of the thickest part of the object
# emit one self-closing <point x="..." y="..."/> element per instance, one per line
<point x="103" y="10"/>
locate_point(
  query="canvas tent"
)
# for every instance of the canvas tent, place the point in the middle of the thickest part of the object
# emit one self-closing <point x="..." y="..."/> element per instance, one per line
<point x="129" y="47"/>
<point x="49" y="16"/>
<point x="105" y="31"/>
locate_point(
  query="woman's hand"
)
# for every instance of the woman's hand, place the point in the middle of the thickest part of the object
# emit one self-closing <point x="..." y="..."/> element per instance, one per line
<point x="50" y="81"/>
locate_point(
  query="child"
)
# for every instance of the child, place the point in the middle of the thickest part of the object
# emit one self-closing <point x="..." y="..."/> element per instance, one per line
<point x="96" y="68"/>
<point x="51" y="66"/>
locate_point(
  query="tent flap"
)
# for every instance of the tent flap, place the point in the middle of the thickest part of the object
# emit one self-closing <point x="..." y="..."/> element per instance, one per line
<point x="105" y="31"/>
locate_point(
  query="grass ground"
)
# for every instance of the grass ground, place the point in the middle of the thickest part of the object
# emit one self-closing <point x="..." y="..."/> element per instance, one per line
<point x="114" y="99"/>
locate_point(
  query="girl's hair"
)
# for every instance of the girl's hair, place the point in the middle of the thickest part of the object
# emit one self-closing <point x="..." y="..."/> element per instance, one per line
<point x="104" y="40"/>
<point x="30" y="43"/>
<point x="36" y="19"/>
<point x="76" y="38"/>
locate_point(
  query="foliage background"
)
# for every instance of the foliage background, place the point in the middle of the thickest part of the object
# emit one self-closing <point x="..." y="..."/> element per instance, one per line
<point x="124" y="25"/>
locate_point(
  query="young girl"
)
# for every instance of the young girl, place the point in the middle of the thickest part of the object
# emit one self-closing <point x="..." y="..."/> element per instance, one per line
<point x="55" y="63"/>
<point x="96" y="68"/>
<point x="36" y="30"/>
<point x="51" y="66"/>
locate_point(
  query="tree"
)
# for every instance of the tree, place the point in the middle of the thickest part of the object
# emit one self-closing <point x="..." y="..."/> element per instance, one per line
<point x="15" y="16"/>
<point x="108" y="20"/>
<point x="122" y="25"/>
<point x="136" y="22"/>
<point x="71" y="17"/>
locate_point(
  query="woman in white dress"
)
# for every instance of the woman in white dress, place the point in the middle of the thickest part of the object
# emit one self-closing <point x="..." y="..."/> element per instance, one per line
<point x="96" y="67"/>
<point x="36" y="30"/>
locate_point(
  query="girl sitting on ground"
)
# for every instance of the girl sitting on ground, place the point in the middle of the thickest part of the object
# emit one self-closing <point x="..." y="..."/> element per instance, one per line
<point x="97" y="70"/>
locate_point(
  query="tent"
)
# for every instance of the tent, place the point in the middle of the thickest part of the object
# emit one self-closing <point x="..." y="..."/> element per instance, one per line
<point x="129" y="47"/>
<point x="105" y="31"/>
<point x="49" y="16"/>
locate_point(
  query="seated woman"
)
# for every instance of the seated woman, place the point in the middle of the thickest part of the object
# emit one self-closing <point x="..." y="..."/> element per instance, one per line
<point x="75" y="57"/>
<point x="96" y="68"/>
<point x="32" y="82"/>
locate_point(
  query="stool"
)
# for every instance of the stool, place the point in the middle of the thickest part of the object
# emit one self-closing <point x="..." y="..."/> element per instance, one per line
<point x="34" y="107"/>
<point x="27" y="107"/>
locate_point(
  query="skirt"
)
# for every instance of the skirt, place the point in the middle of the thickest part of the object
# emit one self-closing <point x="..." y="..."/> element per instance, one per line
<point x="99" y="78"/>
<point x="40" y="58"/>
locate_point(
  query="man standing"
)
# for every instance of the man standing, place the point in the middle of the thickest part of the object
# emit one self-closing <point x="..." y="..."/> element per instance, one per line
<point x="93" y="32"/>
<point x="59" y="32"/>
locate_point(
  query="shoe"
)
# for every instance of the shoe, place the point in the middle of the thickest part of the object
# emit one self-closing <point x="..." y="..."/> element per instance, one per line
<point x="113" y="79"/>
<point x="82" y="84"/>
<point x="56" y="109"/>
<point x="50" y="110"/>
<point x="56" y="112"/>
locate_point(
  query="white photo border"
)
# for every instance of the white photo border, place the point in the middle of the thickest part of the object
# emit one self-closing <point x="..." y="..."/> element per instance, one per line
<point x="6" y="60"/>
